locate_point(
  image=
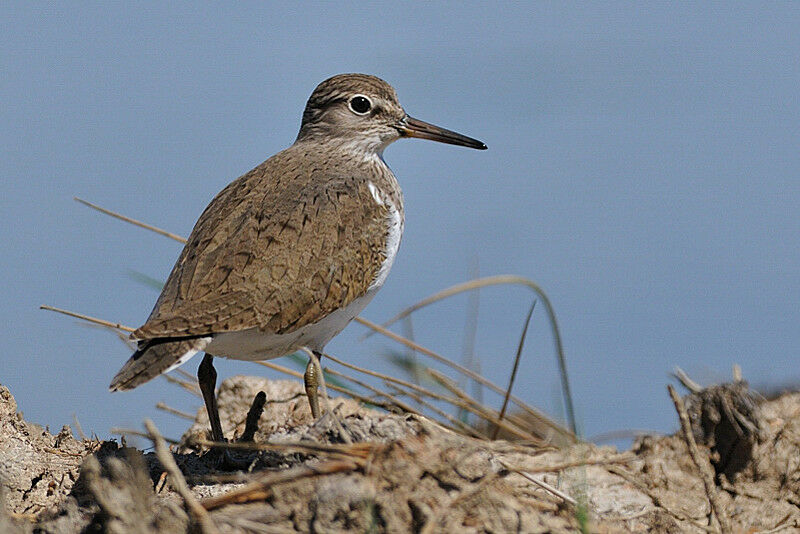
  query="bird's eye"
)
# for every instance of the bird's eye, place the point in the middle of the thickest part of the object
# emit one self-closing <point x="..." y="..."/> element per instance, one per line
<point x="360" y="105"/>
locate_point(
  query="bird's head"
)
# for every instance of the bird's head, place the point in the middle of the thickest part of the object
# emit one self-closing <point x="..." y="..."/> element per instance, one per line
<point x="363" y="113"/>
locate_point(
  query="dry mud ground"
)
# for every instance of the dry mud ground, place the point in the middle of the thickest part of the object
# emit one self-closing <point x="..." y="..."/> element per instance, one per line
<point x="370" y="471"/>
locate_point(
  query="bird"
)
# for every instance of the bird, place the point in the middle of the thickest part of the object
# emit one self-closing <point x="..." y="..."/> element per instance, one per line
<point x="286" y="255"/>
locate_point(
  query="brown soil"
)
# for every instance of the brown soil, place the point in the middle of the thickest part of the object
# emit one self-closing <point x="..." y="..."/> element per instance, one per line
<point x="379" y="472"/>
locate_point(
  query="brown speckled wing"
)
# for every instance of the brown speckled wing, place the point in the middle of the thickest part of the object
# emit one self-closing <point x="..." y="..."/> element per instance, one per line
<point x="279" y="248"/>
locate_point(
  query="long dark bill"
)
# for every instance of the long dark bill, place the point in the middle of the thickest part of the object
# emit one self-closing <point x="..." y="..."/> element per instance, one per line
<point x="411" y="127"/>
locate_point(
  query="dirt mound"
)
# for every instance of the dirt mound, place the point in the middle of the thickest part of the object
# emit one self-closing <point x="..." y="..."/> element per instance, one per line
<point x="361" y="470"/>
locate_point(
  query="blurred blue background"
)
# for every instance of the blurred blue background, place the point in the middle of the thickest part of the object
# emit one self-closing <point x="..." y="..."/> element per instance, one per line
<point x="642" y="167"/>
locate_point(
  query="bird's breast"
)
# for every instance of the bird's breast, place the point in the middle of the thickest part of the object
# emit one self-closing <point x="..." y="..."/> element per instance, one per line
<point x="394" y="231"/>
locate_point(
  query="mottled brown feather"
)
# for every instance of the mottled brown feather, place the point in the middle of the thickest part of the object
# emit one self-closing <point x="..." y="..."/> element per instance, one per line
<point x="280" y="247"/>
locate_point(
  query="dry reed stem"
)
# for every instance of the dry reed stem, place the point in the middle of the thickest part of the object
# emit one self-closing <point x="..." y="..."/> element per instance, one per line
<point x="391" y="379"/>
<point x="465" y="428"/>
<point x="391" y="398"/>
<point x="260" y="489"/>
<point x="485" y="412"/>
<point x="468" y="357"/>
<point x="703" y="466"/>
<point x="457" y="402"/>
<point x="134" y="222"/>
<point x="355" y="452"/>
<point x="178" y="483"/>
<point x="408" y="332"/>
<point x="188" y="376"/>
<point x="191" y="387"/>
<point x="544" y="485"/>
<point x="281" y="369"/>
<point x="163" y="407"/>
<point x="554" y="468"/>
<point x="88" y="318"/>
<point x="508" y="279"/>
<point x="460" y="368"/>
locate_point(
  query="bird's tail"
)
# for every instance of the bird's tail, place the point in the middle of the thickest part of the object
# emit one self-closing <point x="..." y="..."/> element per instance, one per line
<point x="154" y="357"/>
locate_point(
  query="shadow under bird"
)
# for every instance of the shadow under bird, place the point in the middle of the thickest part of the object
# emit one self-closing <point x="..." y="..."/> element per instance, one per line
<point x="289" y="253"/>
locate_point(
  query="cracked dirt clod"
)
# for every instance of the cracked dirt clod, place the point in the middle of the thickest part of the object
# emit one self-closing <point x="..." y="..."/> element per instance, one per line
<point x="422" y="478"/>
<point x="37" y="469"/>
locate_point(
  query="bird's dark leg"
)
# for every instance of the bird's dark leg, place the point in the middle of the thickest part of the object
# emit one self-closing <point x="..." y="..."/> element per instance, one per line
<point x="207" y="378"/>
<point x="311" y="380"/>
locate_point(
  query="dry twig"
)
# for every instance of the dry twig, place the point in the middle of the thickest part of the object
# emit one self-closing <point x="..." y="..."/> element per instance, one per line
<point x="88" y="318"/>
<point x="686" y="381"/>
<point x="544" y="485"/>
<point x="178" y="483"/>
<point x="169" y="409"/>
<point x="260" y="489"/>
<point x="391" y="398"/>
<point x="134" y="222"/>
<point x="702" y="464"/>
<point x="457" y="425"/>
<point x="555" y="468"/>
<point x="191" y="387"/>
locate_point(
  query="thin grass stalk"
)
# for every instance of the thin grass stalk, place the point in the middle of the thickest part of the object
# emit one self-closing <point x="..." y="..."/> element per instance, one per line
<point x="174" y="411"/>
<point x="486" y="413"/>
<point x="188" y="386"/>
<point x="464" y="428"/>
<point x="468" y="358"/>
<point x="132" y="221"/>
<point x="460" y="368"/>
<point x="457" y="402"/>
<point x="340" y="389"/>
<point x="507" y="279"/>
<point x="400" y="404"/>
<point x="517" y="359"/>
<point x="88" y="318"/>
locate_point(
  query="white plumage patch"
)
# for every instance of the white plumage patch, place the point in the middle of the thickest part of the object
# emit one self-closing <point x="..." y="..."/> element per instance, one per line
<point x="375" y="194"/>
<point x="254" y="344"/>
<point x="395" y="231"/>
<point x="202" y="343"/>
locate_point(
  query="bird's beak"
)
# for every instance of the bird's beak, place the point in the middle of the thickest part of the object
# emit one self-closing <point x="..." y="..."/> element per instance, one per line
<point x="411" y="127"/>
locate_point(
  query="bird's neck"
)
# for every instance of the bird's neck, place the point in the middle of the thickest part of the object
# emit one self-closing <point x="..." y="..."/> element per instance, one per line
<point x="359" y="158"/>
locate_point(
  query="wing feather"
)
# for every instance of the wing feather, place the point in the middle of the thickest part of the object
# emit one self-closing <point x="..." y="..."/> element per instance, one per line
<point x="274" y="250"/>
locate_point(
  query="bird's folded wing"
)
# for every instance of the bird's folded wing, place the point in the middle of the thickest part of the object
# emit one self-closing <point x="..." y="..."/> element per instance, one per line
<point x="273" y="256"/>
<point x="225" y="312"/>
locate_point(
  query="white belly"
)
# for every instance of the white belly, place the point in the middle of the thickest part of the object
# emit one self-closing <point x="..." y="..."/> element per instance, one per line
<point x="254" y="344"/>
